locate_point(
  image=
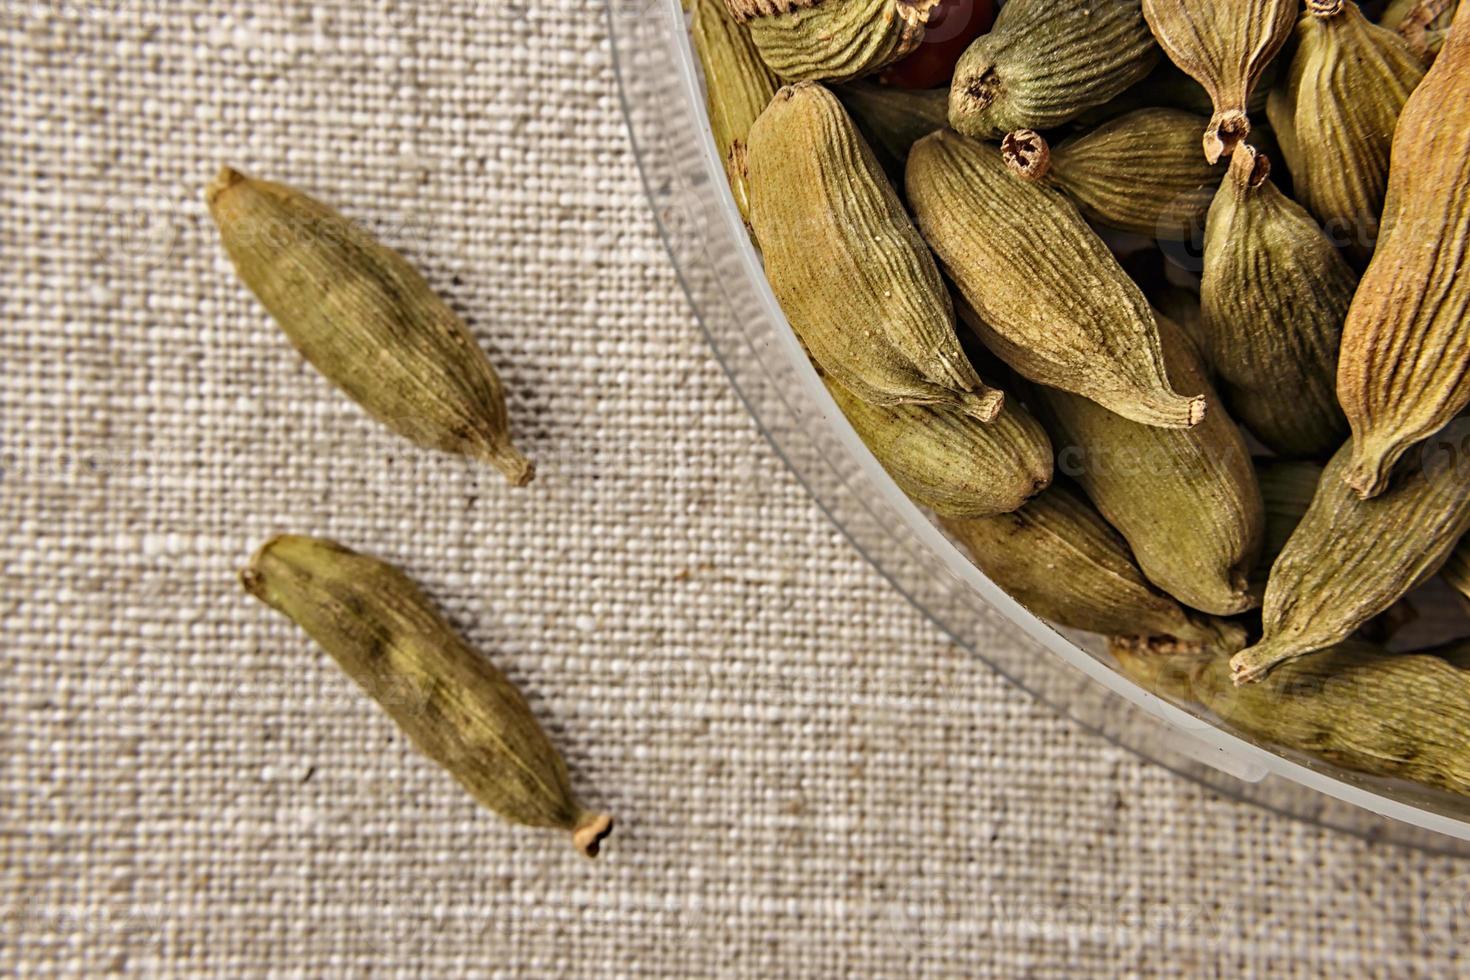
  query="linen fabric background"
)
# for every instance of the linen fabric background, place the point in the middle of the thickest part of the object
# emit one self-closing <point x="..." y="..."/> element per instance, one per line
<point x="808" y="779"/>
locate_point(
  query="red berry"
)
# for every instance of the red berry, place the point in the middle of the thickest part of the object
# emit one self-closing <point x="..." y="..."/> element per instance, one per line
<point x="953" y="24"/>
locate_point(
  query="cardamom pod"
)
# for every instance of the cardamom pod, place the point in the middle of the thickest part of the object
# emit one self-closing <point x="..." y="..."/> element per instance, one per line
<point x="1226" y="46"/>
<point x="1167" y="87"/>
<point x="1396" y="715"/>
<point x="1340" y="100"/>
<point x="366" y="320"/>
<point x="1186" y="500"/>
<point x="1287" y="487"/>
<point x="1057" y="306"/>
<point x="952" y="463"/>
<point x="832" y="40"/>
<point x="1351" y="559"/>
<point x="893" y="119"/>
<point x="1456" y="571"/>
<point x="737" y="86"/>
<point x="847" y="266"/>
<point x="1424" y="24"/>
<point x="1182" y="307"/>
<point x="1404" y="369"/>
<point x="1274" y="292"/>
<point x="1059" y="558"/>
<point x="1046" y="61"/>
<point x="453" y="704"/>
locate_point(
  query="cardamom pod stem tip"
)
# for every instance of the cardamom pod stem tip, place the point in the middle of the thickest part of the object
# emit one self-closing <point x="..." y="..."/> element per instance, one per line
<point x="1249" y="167"/>
<point x="1254" y="663"/>
<point x="226" y="178"/>
<point x="1324" y="8"/>
<point x="508" y="460"/>
<point x="984" y="405"/>
<point x="1027" y="154"/>
<point x="1370" y="469"/>
<point x="590" y="831"/>
<point x="1226" y="130"/>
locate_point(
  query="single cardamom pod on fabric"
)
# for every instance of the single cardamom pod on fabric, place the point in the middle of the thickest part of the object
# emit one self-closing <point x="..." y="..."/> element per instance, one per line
<point x="1046" y="61"/>
<point x="853" y="276"/>
<point x="1340" y="100"/>
<point x="1226" y="46"/>
<point x="951" y="463"/>
<point x="1396" y="715"/>
<point x="453" y="704"/>
<point x="1055" y="304"/>
<point x="366" y="320"/>
<point x="737" y="86"/>
<point x="1404" y="369"/>
<point x="1059" y="558"/>
<point x="1287" y="487"/>
<point x="1186" y="500"/>
<point x="1456" y="571"/>
<point x="1351" y="559"/>
<point x="1424" y="24"/>
<point x="893" y="119"/>
<point x="1274" y="293"/>
<point x="832" y="40"/>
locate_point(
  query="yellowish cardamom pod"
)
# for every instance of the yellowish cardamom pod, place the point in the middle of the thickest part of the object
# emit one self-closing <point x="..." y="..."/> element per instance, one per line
<point x="893" y="119"/>
<point x="1456" y="571"/>
<point x="1274" y="292"/>
<point x="737" y="86"/>
<point x="1351" y="559"/>
<point x="1056" y="305"/>
<point x="1225" y="45"/>
<point x="1185" y="499"/>
<point x="1046" y="61"/>
<point x="832" y="40"/>
<point x="847" y="266"/>
<point x="1340" y="100"/>
<point x="452" y="703"/>
<point x="1057" y="557"/>
<point x="1287" y="487"/>
<point x="1404" y="369"/>
<point x="951" y="463"/>
<point x="1402" y="716"/>
<point x="366" y="320"/>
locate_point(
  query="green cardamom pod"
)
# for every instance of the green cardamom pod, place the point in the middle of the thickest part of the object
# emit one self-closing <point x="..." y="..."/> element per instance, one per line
<point x="951" y="463"/>
<point x="1424" y="24"/>
<point x="832" y="40"/>
<point x="853" y="276"/>
<point x="1274" y="292"/>
<point x="1226" y="46"/>
<point x="737" y="86"/>
<point x="453" y="704"/>
<point x="1059" y="558"/>
<point x="366" y="320"/>
<point x="1340" y="100"/>
<point x="1186" y="500"/>
<point x="1182" y="307"/>
<point x="1396" y="715"/>
<point x="1404" y="369"/>
<point x="1046" y="61"/>
<point x="1350" y="559"/>
<point x="1056" y="305"/>
<point x="1167" y="87"/>
<point x="893" y="119"/>
<point x="1456" y="571"/>
<point x="1287" y="487"/>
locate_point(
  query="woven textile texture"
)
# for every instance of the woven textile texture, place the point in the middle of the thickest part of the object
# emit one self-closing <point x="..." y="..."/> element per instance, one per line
<point x="809" y="780"/>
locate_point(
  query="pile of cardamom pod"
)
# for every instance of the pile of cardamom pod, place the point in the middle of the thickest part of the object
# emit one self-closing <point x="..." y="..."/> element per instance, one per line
<point x="1212" y="258"/>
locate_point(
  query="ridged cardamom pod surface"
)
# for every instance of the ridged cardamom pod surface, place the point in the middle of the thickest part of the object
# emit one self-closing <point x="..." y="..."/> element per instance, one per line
<point x="1287" y="488"/>
<point x="1350" y="559"/>
<point x="1186" y="500"/>
<point x="737" y="86"/>
<point x="893" y="119"/>
<point x="1059" y="558"/>
<point x="452" y="703"/>
<point x="951" y="463"/>
<point x="1274" y="292"/>
<point x="1340" y="100"/>
<point x="846" y="264"/>
<point x="1046" y="61"/>
<point x="1404" y="369"/>
<point x="1424" y="24"/>
<point x="366" y="320"/>
<point x="1226" y="46"/>
<point x="1054" y="302"/>
<point x="832" y="40"/>
<point x="1456" y="571"/>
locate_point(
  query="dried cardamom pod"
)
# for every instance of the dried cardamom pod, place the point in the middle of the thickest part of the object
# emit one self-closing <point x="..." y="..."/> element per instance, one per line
<point x="452" y="703"/>
<point x="1182" y="307"/>
<point x="1185" y="499"/>
<point x="1226" y="46"/>
<point x="1045" y="61"/>
<point x="1140" y="172"/>
<point x="1456" y="571"/>
<point x="366" y="319"/>
<point x="1404" y="369"/>
<point x="1351" y="559"/>
<point x="1287" y="487"/>
<point x="893" y="119"/>
<point x="832" y="40"/>
<point x="1274" y="293"/>
<point x="871" y="306"/>
<point x="1167" y="87"/>
<point x="1340" y="100"/>
<point x="1056" y="305"/>
<point x="1060" y="559"/>
<point x="1403" y="716"/>
<point x="951" y="463"/>
<point x="1424" y="24"/>
<point x="737" y="86"/>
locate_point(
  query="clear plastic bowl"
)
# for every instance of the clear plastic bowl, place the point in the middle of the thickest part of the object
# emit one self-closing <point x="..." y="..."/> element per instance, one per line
<point x="697" y="217"/>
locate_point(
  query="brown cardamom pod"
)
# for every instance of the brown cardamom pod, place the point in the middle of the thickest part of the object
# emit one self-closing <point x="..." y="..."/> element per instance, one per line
<point x="832" y="40"/>
<point x="737" y="86"/>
